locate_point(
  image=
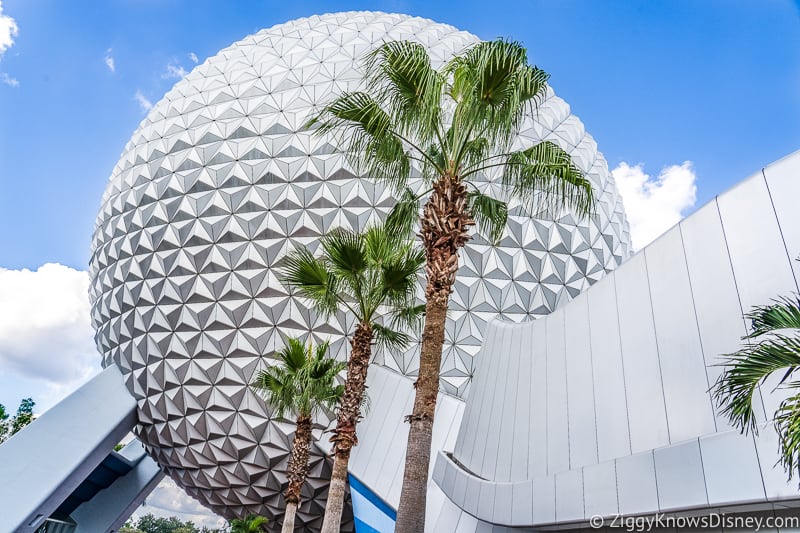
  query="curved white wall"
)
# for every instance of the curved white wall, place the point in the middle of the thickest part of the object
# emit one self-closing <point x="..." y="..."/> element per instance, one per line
<point x="603" y="406"/>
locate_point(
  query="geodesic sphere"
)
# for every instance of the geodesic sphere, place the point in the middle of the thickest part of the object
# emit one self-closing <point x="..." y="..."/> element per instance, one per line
<point x="220" y="181"/>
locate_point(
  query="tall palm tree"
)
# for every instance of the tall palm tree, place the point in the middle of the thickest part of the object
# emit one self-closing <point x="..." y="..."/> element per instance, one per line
<point x="767" y="350"/>
<point x="454" y="125"/>
<point x="251" y="524"/>
<point x="372" y="275"/>
<point x="303" y="383"/>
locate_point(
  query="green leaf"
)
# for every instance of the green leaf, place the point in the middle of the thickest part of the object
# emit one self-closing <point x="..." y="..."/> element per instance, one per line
<point x="493" y="87"/>
<point x="783" y="314"/>
<point x="489" y="214"/>
<point x="746" y="369"/>
<point x="545" y="179"/>
<point x="409" y="317"/>
<point x="400" y="73"/>
<point x="301" y="381"/>
<point x="404" y="214"/>
<point x="344" y="253"/>
<point x="366" y="132"/>
<point x="390" y="339"/>
<point x="311" y="278"/>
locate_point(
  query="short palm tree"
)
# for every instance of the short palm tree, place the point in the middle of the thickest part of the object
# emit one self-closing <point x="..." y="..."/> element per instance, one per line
<point x="454" y="125"/>
<point x="302" y="383"/>
<point x="372" y="275"/>
<point x="767" y="350"/>
<point x="251" y="524"/>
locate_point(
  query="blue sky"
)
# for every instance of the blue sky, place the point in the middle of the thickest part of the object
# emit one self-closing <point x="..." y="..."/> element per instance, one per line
<point x="656" y="83"/>
<point x="685" y="98"/>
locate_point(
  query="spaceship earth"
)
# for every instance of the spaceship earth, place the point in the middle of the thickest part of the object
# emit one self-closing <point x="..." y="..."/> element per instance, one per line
<point x="220" y="181"/>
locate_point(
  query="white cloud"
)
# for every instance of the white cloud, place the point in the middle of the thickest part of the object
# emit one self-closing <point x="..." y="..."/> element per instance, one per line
<point x="144" y="103"/>
<point x="654" y="205"/>
<point x="109" y="60"/>
<point x="167" y="499"/>
<point x="8" y="80"/>
<point x="8" y="30"/>
<point x="174" y="71"/>
<point x="45" y="330"/>
<point x="193" y="57"/>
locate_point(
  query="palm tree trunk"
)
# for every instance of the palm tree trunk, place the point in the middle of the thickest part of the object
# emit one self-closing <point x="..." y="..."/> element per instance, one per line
<point x="297" y="469"/>
<point x="337" y="490"/>
<point x="344" y="436"/>
<point x="288" y="518"/>
<point x="445" y="230"/>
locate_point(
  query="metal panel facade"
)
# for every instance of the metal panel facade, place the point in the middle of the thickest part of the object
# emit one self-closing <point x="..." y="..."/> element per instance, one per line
<point x="619" y="415"/>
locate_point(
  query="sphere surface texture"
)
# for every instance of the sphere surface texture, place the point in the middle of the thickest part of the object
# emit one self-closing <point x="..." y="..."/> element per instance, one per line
<point x="220" y="181"/>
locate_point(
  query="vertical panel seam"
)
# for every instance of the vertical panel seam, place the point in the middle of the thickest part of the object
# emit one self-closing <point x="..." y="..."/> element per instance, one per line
<point x="491" y="415"/>
<point x="515" y="422"/>
<point x="760" y="466"/>
<point x="780" y="229"/>
<point x="566" y="386"/>
<point x="509" y="403"/>
<point x="652" y="455"/>
<point x="622" y="361"/>
<point x="697" y="326"/>
<point x="702" y="468"/>
<point x="591" y="370"/>
<point x="490" y="342"/>
<point x="546" y="407"/>
<point x="658" y="349"/>
<point x="736" y="284"/>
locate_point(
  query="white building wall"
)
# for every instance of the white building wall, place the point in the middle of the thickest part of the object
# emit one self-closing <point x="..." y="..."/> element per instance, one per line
<point x="603" y="407"/>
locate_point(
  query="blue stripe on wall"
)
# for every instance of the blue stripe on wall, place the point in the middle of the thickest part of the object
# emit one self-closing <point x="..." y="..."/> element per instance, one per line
<point x="372" y="514"/>
<point x="373" y="498"/>
<point x="361" y="527"/>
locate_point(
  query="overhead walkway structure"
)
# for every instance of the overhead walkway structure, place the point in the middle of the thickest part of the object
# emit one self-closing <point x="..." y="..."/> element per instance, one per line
<point x="61" y="474"/>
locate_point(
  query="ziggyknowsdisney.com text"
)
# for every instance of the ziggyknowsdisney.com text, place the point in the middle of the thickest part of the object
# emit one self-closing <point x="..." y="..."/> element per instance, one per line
<point x="661" y="520"/>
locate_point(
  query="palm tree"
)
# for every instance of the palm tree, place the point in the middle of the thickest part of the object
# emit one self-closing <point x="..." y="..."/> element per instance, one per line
<point x="767" y="350"/>
<point x="454" y="125"/>
<point x="303" y="383"/>
<point x="372" y="275"/>
<point x="251" y="524"/>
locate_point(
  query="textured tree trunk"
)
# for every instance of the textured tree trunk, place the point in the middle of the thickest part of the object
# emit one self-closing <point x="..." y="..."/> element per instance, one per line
<point x="288" y="518"/>
<point x="336" y="493"/>
<point x="344" y="436"/>
<point x="445" y="230"/>
<point x="297" y="470"/>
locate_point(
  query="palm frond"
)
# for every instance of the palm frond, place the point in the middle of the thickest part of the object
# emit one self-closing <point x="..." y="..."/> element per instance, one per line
<point x="409" y="317"/>
<point x="399" y="278"/>
<point x="493" y="87"/>
<point x="404" y="214"/>
<point x="379" y="244"/>
<point x="476" y="151"/>
<point x="311" y="278"/>
<point x="746" y="369"/>
<point x="273" y="385"/>
<point x="344" y="252"/>
<point x="787" y="425"/>
<point x="545" y="180"/>
<point x="784" y="313"/>
<point x="401" y="73"/>
<point x="293" y="355"/>
<point x="390" y="339"/>
<point x="366" y="133"/>
<point x="303" y="380"/>
<point x="489" y="214"/>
